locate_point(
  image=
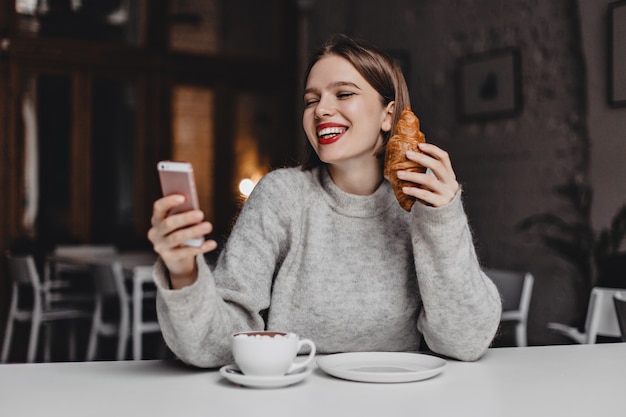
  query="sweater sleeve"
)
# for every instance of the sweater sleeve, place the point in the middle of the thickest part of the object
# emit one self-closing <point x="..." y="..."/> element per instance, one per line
<point x="197" y="321"/>
<point x="461" y="305"/>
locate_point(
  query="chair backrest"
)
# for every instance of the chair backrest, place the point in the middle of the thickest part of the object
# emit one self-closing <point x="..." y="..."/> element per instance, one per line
<point x="80" y="251"/>
<point x="95" y="250"/>
<point x="601" y="318"/>
<point x="23" y="271"/>
<point x="515" y="288"/>
<point x="109" y="280"/>
<point x="619" y="299"/>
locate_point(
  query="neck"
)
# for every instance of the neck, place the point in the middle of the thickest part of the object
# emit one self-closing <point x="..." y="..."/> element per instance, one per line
<point x="360" y="178"/>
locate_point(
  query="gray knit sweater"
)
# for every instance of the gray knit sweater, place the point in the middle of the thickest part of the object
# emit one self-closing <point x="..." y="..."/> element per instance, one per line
<point x="352" y="273"/>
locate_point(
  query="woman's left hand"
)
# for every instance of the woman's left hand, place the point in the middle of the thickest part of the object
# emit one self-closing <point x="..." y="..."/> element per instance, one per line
<point x="436" y="190"/>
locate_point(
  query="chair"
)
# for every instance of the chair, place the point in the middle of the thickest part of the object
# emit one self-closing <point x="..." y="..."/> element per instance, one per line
<point x="24" y="275"/>
<point x="142" y="275"/>
<point x="84" y="250"/>
<point x="516" y="291"/>
<point x="62" y="271"/>
<point x="110" y="288"/>
<point x="71" y="280"/>
<point x="601" y="319"/>
<point x="619" y="299"/>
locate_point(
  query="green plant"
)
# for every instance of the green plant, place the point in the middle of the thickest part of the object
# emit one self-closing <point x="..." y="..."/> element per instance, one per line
<point x="610" y="240"/>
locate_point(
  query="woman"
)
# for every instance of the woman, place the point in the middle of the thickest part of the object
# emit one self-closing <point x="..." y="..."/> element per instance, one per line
<point x="325" y="250"/>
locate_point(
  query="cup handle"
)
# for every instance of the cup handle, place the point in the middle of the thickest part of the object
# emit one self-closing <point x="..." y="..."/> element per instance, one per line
<point x="301" y="364"/>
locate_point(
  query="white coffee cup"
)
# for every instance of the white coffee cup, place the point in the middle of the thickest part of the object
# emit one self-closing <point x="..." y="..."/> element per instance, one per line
<point x="265" y="353"/>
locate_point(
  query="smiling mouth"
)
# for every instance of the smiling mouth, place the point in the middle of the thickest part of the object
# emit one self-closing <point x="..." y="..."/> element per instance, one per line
<point x="330" y="134"/>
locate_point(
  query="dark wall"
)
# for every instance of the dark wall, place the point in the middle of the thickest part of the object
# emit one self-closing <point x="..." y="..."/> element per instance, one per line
<point x="509" y="167"/>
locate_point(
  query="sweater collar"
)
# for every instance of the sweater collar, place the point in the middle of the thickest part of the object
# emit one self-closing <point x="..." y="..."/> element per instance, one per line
<point x="353" y="205"/>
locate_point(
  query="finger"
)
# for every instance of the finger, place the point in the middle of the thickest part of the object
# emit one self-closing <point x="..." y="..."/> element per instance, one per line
<point x="170" y="232"/>
<point x="433" y="151"/>
<point x="442" y="169"/>
<point x="437" y="153"/>
<point x="163" y="205"/>
<point x="180" y="221"/>
<point x="183" y="252"/>
<point x="429" y="188"/>
<point x="193" y="232"/>
<point x="209" y="246"/>
<point x="178" y="237"/>
<point x="429" y="197"/>
<point x="422" y="181"/>
<point x="428" y="162"/>
<point x="179" y="260"/>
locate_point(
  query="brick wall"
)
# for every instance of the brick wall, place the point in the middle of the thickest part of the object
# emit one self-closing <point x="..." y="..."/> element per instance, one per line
<point x="508" y="167"/>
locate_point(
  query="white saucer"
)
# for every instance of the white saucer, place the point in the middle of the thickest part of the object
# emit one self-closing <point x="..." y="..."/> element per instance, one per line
<point x="382" y="366"/>
<point x="233" y="374"/>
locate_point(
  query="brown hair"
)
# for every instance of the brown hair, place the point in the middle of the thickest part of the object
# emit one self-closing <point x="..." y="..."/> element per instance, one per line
<point x="381" y="71"/>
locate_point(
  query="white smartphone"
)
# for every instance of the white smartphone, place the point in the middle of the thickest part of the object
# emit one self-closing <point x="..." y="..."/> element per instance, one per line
<point x="178" y="178"/>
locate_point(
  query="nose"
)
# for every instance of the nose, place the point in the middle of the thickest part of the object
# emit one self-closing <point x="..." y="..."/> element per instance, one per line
<point x="325" y="107"/>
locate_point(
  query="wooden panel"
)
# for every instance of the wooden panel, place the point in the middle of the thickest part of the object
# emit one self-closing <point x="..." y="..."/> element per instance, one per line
<point x="11" y="173"/>
<point x="192" y="138"/>
<point x="80" y="178"/>
<point x="143" y="162"/>
<point x="4" y="152"/>
<point x="6" y="13"/>
<point x="5" y="178"/>
<point x="13" y="164"/>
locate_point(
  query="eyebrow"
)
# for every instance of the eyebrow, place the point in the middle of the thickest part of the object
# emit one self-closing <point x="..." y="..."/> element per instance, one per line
<point x="334" y="85"/>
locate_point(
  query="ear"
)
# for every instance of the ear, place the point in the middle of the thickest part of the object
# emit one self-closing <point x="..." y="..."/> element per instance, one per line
<point x="388" y="118"/>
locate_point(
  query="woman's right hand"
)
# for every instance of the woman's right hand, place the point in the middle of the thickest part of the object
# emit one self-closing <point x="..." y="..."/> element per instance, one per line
<point x="168" y="234"/>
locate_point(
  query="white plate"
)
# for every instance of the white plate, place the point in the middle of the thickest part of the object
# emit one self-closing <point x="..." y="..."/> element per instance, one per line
<point x="233" y="374"/>
<point x="381" y="366"/>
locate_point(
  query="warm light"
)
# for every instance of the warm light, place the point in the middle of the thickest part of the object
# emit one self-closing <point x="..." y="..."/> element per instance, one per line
<point x="245" y="186"/>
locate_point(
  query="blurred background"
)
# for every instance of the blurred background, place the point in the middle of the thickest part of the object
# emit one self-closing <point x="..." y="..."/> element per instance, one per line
<point x="526" y="96"/>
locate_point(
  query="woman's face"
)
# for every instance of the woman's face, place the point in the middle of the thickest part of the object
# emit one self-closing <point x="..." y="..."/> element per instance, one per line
<point x="343" y="114"/>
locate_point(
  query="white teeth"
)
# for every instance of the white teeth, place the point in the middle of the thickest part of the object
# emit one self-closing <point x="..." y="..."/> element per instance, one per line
<point x="330" y="131"/>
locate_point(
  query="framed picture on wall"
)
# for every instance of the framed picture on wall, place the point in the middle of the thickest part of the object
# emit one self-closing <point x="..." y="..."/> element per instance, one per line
<point x="489" y="85"/>
<point x="617" y="54"/>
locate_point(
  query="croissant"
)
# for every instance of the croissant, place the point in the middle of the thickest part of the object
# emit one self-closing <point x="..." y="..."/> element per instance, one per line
<point x="406" y="137"/>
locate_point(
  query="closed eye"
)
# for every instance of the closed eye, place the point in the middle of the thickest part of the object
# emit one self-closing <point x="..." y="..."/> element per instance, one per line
<point x="310" y="102"/>
<point x="345" y="95"/>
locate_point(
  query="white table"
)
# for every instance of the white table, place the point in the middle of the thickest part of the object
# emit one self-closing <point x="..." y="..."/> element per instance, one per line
<point x="576" y="380"/>
<point x="139" y="266"/>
